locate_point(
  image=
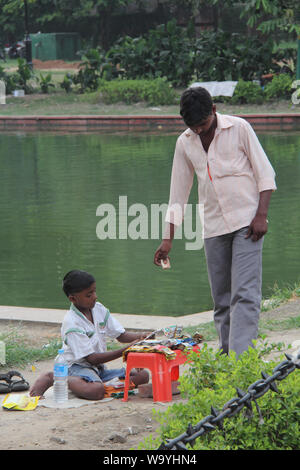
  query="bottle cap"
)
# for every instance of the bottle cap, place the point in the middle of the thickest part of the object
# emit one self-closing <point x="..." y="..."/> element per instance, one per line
<point x="61" y="351"/>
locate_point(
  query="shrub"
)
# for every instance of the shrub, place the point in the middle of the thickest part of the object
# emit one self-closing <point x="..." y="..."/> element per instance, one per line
<point x="45" y="82"/>
<point x="211" y="380"/>
<point x="94" y="67"/>
<point x="230" y="56"/>
<point x="279" y="87"/>
<point x="19" y="79"/>
<point x="154" y="92"/>
<point x="24" y="75"/>
<point x="67" y="82"/>
<point x="175" y="53"/>
<point x="247" y="93"/>
<point x="165" y="51"/>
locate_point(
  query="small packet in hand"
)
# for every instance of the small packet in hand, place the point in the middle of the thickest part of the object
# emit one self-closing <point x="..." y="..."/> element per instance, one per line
<point x="165" y="264"/>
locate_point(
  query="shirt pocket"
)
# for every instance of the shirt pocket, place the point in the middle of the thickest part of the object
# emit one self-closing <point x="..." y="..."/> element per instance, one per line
<point x="231" y="163"/>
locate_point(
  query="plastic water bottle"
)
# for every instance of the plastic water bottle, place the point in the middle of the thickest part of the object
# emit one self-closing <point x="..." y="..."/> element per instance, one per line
<point x="60" y="376"/>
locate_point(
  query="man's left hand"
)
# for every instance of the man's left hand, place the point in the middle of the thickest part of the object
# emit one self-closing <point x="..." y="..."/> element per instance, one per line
<point x="258" y="228"/>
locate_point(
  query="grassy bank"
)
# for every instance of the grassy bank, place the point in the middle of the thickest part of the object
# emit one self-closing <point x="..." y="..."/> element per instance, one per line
<point x="58" y="102"/>
<point x="61" y="103"/>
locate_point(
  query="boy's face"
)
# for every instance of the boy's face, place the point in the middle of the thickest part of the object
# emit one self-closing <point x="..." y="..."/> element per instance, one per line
<point x="86" y="298"/>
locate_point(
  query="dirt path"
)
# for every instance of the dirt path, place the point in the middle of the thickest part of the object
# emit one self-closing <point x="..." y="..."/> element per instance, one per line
<point x="111" y="425"/>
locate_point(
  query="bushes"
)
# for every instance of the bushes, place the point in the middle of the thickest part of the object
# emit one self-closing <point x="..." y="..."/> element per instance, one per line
<point x="146" y="69"/>
<point x="279" y="87"/>
<point x="176" y="53"/>
<point x="21" y="79"/>
<point x="247" y="92"/>
<point x="223" y="56"/>
<point x="154" y="92"/>
<point x="166" y="51"/>
<point x="211" y="381"/>
<point x="252" y="93"/>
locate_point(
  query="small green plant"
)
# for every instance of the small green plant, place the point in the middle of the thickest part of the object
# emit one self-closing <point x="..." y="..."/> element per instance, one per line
<point x="247" y="93"/>
<point x="24" y="75"/>
<point x="45" y="82"/>
<point x="95" y="66"/>
<point x="211" y="380"/>
<point x="67" y="82"/>
<point x="279" y="87"/>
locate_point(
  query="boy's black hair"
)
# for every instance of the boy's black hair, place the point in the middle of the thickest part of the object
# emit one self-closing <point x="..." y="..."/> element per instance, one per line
<point x="195" y="105"/>
<point x="76" y="281"/>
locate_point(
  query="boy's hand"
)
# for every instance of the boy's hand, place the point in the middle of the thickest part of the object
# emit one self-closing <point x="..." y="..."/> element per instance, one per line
<point x="143" y="336"/>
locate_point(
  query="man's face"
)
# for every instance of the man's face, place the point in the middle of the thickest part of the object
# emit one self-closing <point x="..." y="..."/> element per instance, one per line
<point x="204" y="127"/>
<point x="85" y="299"/>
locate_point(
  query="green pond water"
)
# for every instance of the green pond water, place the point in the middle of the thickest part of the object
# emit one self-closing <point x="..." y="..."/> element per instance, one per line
<point x="51" y="185"/>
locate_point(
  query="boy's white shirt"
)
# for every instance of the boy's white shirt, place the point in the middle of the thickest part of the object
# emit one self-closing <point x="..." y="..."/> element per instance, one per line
<point x="82" y="337"/>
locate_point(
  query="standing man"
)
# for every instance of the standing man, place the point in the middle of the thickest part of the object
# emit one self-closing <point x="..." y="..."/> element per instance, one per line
<point x="235" y="183"/>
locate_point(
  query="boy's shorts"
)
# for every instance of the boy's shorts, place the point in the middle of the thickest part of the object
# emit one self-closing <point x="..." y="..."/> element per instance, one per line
<point x="96" y="374"/>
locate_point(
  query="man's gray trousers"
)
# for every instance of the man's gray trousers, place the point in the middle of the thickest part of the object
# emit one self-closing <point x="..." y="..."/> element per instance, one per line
<point x="234" y="266"/>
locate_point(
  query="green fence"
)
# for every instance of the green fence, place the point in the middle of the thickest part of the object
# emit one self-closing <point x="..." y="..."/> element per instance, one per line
<point x="55" y="46"/>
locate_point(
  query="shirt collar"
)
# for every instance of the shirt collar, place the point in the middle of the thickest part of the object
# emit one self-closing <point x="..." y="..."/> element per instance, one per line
<point x="223" y="122"/>
<point x="78" y="312"/>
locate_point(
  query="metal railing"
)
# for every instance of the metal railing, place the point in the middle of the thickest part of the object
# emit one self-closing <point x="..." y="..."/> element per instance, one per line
<point x="235" y="405"/>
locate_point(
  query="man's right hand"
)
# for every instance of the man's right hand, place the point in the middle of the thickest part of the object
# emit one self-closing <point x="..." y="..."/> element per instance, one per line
<point x="162" y="251"/>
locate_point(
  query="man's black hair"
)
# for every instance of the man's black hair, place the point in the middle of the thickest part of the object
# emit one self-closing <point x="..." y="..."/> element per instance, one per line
<point x="195" y="105"/>
<point x="76" y="281"/>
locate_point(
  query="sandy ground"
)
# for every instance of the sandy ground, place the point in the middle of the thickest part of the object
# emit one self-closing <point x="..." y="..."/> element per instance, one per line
<point x="112" y="425"/>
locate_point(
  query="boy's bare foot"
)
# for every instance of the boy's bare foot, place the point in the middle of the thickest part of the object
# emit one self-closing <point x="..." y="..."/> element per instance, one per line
<point x="42" y="384"/>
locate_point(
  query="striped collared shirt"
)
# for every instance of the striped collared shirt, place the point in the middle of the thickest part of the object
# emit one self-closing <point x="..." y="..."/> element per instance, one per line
<point x="82" y="337"/>
<point x="230" y="176"/>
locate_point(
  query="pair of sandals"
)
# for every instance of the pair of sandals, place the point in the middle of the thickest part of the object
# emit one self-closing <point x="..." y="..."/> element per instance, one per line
<point x="8" y="384"/>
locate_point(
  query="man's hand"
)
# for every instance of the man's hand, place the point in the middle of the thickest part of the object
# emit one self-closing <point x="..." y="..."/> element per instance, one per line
<point x="258" y="228"/>
<point x="259" y="225"/>
<point x="162" y="252"/>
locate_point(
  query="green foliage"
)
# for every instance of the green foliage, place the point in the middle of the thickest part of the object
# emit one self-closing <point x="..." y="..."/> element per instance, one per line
<point x="87" y="17"/>
<point x="231" y="56"/>
<point x="94" y="67"/>
<point x="165" y="51"/>
<point x="67" y="82"/>
<point x="154" y="92"/>
<point x="45" y="82"/>
<point x="247" y="92"/>
<point x="24" y="75"/>
<point x="211" y="380"/>
<point x="279" y="87"/>
<point x="175" y="53"/>
<point x="19" y="352"/>
<point x="21" y="79"/>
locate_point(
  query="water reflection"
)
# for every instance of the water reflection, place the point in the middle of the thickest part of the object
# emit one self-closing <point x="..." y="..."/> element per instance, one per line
<point x="51" y="186"/>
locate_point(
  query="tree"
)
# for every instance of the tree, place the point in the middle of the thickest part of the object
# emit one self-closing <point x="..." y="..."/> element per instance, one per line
<point x="90" y="18"/>
<point x="268" y="15"/>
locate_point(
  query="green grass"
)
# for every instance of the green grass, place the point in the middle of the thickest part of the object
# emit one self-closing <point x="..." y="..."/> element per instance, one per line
<point x="18" y="352"/>
<point x="280" y="295"/>
<point x="61" y="103"/>
<point x="58" y="102"/>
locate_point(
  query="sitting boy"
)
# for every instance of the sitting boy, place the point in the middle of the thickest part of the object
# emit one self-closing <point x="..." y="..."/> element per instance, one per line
<point x="84" y="329"/>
